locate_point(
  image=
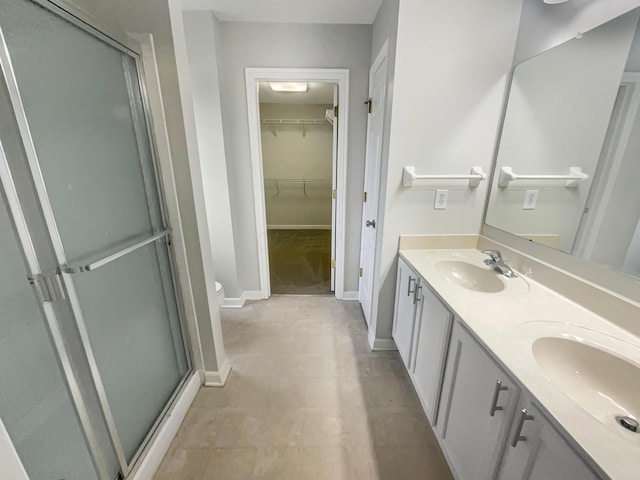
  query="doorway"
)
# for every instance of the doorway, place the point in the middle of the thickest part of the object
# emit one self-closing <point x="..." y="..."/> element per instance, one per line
<point x="298" y="151"/>
<point x="608" y="208"/>
<point x="298" y="155"/>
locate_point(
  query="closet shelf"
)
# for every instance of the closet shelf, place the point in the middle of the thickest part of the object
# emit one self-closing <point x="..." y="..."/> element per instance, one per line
<point x="291" y="121"/>
<point x="475" y="177"/>
<point x="303" y="122"/>
<point x="573" y="179"/>
<point x="304" y="182"/>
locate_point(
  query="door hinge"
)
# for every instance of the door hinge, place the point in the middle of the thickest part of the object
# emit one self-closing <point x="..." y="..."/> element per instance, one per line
<point x="360" y="271"/>
<point x="48" y="287"/>
<point x="369" y="104"/>
<point x="333" y="264"/>
<point x="334" y="194"/>
<point x="365" y="197"/>
<point x="335" y="111"/>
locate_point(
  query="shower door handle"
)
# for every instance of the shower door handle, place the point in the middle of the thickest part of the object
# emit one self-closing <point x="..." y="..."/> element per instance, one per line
<point x="88" y="267"/>
<point x="371" y="223"/>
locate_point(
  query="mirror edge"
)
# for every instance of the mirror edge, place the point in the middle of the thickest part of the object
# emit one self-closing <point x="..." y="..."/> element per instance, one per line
<point x="599" y="275"/>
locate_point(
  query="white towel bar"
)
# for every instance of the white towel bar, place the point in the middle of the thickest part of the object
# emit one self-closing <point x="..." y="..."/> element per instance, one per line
<point x="574" y="178"/>
<point x="475" y="177"/>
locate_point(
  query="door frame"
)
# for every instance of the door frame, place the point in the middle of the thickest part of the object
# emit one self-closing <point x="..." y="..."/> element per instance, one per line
<point x="328" y="75"/>
<point x="598" y="199"/>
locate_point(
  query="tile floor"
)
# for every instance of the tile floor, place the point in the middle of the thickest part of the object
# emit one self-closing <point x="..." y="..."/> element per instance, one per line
<point x="306" y="399"/>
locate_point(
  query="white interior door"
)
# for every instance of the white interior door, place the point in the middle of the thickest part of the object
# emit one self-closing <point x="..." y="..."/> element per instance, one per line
<point x="375" y="126"/>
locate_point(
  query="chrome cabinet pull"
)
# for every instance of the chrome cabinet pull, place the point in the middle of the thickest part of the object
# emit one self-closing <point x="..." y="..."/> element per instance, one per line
<point x="409" y="291"/>
<point x="518" y="437"/>
<point x="496" y="393"/>
<point x="416" y="294"/>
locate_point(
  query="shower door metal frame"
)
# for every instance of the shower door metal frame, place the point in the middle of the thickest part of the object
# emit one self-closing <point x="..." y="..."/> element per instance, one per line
<point x="125" y="46"/>
<point x="47" y="310"/>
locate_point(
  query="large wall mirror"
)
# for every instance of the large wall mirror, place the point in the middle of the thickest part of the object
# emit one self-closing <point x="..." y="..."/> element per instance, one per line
<point x="567" y="172"/>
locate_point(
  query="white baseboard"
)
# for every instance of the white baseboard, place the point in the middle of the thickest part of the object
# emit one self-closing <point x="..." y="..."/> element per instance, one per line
<point x="219" y="378"/>
<point x="157" y="450"/>
<point x="238" y="302"/>
<point x="350" y="295"/>
<point x="298" y="227"/>
<point x="380" y="344"/>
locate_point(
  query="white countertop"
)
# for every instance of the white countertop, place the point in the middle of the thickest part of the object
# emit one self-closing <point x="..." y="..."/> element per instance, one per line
<point x="508" y="322"/>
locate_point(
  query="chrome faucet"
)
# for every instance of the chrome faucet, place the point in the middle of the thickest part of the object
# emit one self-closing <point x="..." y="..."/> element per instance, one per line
<point x="497" y="263"/>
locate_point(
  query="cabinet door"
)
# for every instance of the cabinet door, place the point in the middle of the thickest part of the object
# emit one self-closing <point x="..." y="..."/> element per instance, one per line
<point x="541" y="453"/>
<point x="433" y="327"/>
<point x="478" y="400"/>
<point x="404" y="315"/>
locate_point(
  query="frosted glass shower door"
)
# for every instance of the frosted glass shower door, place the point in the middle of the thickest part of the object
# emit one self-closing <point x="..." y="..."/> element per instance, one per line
<point x="84" y="126"/>
<point x="35" y="404"/>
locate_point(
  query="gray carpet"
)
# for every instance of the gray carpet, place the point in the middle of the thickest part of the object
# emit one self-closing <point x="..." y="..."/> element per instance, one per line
<point x="300" y="261"/>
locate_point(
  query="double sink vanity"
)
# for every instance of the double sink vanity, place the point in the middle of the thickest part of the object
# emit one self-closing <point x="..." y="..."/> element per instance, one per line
<point x="529" y="368"/>
<point x="518" y="381"/>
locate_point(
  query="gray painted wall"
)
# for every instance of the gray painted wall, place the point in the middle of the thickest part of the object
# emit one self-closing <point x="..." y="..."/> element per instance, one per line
<point x="289" y="45"/>
<point x="200" y="30"/>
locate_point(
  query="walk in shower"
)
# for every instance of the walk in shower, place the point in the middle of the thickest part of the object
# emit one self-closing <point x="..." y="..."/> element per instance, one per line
<point x="92" y="341"/>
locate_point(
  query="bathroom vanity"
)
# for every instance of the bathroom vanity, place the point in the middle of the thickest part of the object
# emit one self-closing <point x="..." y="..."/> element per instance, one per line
<point x="517" y="381"/>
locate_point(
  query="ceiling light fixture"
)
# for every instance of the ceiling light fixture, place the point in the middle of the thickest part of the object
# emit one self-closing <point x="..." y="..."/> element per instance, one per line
<point x="554" y="2"/>
<point x="289" y="87"/>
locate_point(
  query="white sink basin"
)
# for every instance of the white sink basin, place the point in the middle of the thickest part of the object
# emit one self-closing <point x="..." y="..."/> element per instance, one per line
<point x="469" y="276"/>
<point x="604" y="384"/>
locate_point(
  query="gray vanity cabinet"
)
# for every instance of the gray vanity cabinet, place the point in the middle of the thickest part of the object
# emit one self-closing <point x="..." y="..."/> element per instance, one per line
<point x="537" y="451"/>
<point x="477" y="405"/>
<point x="405" y="310"/>
<point x="432" y="331"/>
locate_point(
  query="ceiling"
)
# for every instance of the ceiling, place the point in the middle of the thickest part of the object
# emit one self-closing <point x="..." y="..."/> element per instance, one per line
<point x="289" y="11"/>
<point x="318" y="93"/>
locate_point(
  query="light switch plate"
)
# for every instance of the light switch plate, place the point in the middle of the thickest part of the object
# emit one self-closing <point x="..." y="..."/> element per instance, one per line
<point x="441" y="199"/>
<point x="530" y="199"/>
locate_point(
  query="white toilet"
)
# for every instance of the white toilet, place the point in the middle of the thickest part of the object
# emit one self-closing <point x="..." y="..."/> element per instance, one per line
<point x="219" y="294"/>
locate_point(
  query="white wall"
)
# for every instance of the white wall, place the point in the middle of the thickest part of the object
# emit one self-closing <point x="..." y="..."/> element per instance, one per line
<point x="199" y="30"/>
<point x="451" y="65"/>
<point x="296" y="152"/>
<point x="557" y="117"/>
<point x="544" y="26"/>
<point x="289" y="45"/>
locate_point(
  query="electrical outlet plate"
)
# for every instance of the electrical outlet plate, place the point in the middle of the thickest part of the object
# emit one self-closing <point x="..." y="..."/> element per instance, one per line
<point x="441" y="199"/>
<point x="530" y="199"/>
